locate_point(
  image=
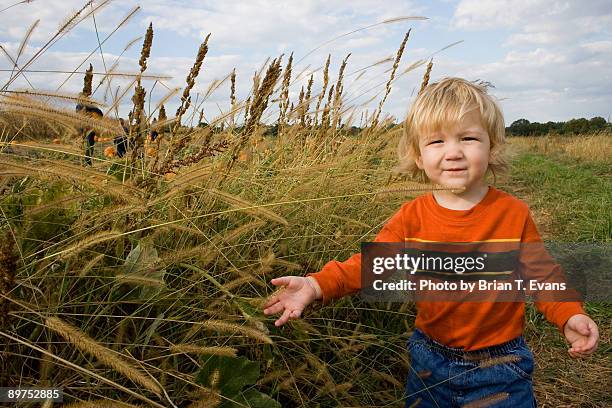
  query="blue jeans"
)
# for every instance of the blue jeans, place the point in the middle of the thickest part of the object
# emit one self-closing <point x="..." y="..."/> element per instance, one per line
<point x="447" y="377"/>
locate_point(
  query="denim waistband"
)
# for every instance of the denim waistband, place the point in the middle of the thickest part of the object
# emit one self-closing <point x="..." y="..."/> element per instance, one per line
<point x="457" y="354"/>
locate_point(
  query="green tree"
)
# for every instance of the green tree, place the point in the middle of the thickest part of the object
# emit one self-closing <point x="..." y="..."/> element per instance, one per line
<point x="597" y="124"/>
<point x="520" y="127"/>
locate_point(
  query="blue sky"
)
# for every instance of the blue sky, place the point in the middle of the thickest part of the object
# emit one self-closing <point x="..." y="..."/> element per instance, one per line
<point x="548" y="60"/>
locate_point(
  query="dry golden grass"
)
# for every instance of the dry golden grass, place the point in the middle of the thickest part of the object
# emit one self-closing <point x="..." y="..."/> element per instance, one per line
<point x="498" y="360"/>
<point x="488" y="401"/>
<point x="596" y="147"/>
<point x="201" y="350"/>
<point x="223" y="227"/>
<point x="108" y="357"/>
<point x="232" y="328"/>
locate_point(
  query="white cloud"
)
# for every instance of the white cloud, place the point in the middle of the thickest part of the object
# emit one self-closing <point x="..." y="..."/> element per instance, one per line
<point x="558" y="55"/>
<point x="54" y="13"/>
<point x="554" y="65"/>
<point x="535" y="22"/>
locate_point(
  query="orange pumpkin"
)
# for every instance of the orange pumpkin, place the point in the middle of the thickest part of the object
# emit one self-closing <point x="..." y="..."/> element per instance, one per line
<point x="110" y="152"/>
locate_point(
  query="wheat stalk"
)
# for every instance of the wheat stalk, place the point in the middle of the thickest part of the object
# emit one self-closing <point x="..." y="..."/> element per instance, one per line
<point x="241" y="282"/>
<point x="225" y="327"/>
<point x="89" y="265"/>
<point x="487" y="401"/>
<point x="388" y="378"/>
<point x="209" y="399"/>
<point x="87" y="242"/>
<point x="87" y="81"/>
<point x="398" y="57"/>
<point x="325" y="115"/>
<point x="92" y="178"/>
<point x="211" y="350"/>
<point x="247" y="206"/>
<point x="257" y="107"/>
<point x="323" y="89"/>
<point x="426" y="76"/>
<point x="25" y="40"/>
<point x="498" y="360"/>
<point x="57" y="95"/>
<point x="106" y="356"/>
<point x="175" y="147"/>
<point x="284" y="95"/>
<point x="139" y="280"/>
<point x="22" y="104"/>
<point x="338" y="94"/>
<point x="205" y="256"/>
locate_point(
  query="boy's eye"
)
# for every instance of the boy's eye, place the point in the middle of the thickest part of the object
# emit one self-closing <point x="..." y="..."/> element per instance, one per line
<point x="470" y="138"/>
<point x="434" y="141"/>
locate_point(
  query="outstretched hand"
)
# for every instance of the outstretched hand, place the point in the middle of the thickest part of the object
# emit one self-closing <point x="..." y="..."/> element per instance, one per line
<point x="583" y="335"/>
<point x="298" y="293"/>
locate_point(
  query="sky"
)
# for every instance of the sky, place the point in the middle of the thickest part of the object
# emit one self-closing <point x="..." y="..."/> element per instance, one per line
<point x="548" y="60"/>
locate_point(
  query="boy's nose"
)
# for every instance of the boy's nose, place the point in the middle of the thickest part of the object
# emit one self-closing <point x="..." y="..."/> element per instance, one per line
<point x="453" y="152"/>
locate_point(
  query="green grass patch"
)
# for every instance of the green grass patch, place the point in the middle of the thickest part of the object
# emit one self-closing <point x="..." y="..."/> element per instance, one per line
<point x="577" y="195"/>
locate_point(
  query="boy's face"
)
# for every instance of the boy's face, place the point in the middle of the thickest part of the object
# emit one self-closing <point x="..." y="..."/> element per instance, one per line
<point x="457" y="156"/>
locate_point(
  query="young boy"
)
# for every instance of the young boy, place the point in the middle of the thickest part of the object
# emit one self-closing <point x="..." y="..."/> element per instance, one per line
<point x="454" y="134"/>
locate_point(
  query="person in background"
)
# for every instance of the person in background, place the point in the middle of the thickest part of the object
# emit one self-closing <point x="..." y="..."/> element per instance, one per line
<point x="121" y="140"/>
<point x="153" y="134"/>
<point x="87" y="132"/>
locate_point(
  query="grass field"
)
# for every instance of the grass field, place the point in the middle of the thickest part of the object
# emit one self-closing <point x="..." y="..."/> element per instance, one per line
<point x="570" y="196"/>
<point x="141" y="279"/>
<point x="154" y="286"/>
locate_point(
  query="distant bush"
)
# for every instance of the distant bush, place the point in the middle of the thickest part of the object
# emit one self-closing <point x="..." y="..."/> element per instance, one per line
<point x="522" y="127"/>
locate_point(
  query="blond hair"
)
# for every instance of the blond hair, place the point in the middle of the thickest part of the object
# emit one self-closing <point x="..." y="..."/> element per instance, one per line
<point x="441" y="105"/>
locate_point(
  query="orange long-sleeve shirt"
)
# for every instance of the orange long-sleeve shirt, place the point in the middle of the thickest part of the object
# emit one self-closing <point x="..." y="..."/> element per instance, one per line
<point x="468" y="325"/>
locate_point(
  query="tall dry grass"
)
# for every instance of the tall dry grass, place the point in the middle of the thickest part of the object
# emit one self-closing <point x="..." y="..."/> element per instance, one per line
<point x="595" y="147"/>
<point x="161" y="262"/>
<point x="209" y="240"/>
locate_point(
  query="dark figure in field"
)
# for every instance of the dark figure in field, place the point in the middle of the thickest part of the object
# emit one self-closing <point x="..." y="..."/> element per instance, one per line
<point x="154" y="133"/>
<point x="89" y="134"/>
<point x="121" y="141"/>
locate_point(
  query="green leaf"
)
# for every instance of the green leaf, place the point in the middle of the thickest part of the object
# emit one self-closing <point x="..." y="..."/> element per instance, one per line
<point x="251" y="398"/>
<point x="232" y="373"/>
<point x="141" y="262"/>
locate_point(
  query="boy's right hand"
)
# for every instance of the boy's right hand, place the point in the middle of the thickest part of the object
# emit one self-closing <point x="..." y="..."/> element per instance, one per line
<point x="298" y="293"/>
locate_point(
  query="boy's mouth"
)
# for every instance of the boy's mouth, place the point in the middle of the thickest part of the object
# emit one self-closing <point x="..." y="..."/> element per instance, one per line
<point x="455" y="170"/>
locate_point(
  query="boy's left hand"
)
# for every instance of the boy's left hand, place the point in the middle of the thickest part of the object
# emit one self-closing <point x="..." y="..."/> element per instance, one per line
<point x="582" y="333"/>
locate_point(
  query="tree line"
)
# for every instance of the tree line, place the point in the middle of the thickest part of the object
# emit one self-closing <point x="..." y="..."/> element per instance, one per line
<point x="522" y="127"/>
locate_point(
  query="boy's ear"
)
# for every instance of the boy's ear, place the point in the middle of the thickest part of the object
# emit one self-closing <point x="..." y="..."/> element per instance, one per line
<point x="419" y="162"/>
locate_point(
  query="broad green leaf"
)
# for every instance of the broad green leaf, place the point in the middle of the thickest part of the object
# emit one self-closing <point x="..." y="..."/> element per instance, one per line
<point x="251" y="398"/>
<point x="232" y="374"/>
<point x="141" y="263"/>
